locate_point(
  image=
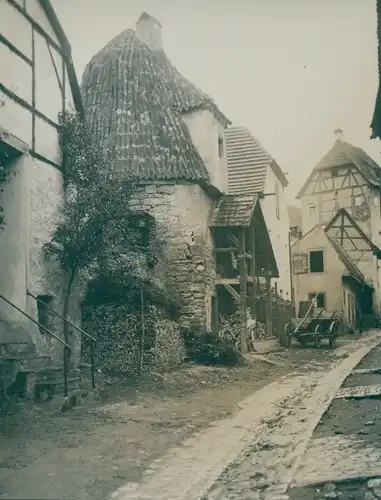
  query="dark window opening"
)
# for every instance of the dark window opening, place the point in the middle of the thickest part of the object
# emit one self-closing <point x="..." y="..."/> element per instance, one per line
<point x="45" y="316"/>
<point x="320" y="301"/>
<point x="220" y="147"/>
<point x="335" y="172"/>
<point x="316" y="261"/>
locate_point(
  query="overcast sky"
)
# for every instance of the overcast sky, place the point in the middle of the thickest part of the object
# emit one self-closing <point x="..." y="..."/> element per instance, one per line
<point x="290" y="70"/>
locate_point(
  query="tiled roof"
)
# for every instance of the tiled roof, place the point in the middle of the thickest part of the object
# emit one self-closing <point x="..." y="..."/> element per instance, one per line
<point x="346" y="260"/>
<point x="248" y="162"/>
<point x="231" y="211"/>
<point x="134" y="99"/>
<point x="344" y="153"/>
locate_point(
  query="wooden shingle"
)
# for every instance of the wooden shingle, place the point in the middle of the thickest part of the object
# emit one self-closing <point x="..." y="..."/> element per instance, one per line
<point x="232" y="211"/>
<point x="134" y="100"/>
<point x="248" y="162"/>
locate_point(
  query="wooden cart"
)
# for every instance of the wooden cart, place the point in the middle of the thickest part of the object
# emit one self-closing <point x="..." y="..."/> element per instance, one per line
<point x="316" y="325"/>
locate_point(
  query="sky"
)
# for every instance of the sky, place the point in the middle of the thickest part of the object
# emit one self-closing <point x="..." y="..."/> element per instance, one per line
<point x="291" y="71"/>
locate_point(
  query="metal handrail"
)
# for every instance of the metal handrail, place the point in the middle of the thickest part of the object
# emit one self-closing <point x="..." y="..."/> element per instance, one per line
<point x="92" y="339"/>
<point x="66" y="349"/>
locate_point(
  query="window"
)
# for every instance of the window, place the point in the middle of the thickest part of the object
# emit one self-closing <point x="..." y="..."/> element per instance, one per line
<point x="277" y="209"/>
<point x="220" y="147"/>
<point x="359" y="200"/>
<point x="335" y="172"/>
<point x="320" y="301"/>
<point x="316" y="261"/>
<point x="45" y="316"/>
<point x="312" y="209"/>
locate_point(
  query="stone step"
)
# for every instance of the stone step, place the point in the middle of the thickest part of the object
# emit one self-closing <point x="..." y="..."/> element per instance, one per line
<point x="34" y="363"/>
<point x="58" y="384"/>
<point x="10" y="350"/>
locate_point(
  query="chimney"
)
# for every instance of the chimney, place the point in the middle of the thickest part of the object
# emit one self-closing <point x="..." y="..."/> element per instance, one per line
<point x="339" y="134"/>
<point x="148" y="30"/>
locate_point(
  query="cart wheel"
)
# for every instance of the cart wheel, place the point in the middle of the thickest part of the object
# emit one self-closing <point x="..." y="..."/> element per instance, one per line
<point x="332" y="334"/>
<point x="317" y="336"/>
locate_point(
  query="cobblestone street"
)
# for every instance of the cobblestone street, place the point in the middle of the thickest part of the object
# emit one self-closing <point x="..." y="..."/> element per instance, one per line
<point x="256" y="453"/>
<point x="344" y="456"/>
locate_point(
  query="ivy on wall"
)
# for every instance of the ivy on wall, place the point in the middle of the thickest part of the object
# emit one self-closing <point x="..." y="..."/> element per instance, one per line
<point x="113" y="249"/>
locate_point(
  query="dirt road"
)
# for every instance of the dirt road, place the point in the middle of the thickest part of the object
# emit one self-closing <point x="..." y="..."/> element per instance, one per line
<point x="254" y="453"/>
<point x="99" y="448"/>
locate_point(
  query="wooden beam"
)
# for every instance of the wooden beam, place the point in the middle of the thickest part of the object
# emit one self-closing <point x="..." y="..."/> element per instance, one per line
<point x="231" y="281"/>
<point x="227" y="281"/>
<point x="215" y="313"/>
<point x="243" y="290"/>
<point x="232" y="292"/>
<point x="234" y="240"/>
<point x="227" y="250"/>
<point x="269" y="318"/>
<point x="253" y="298"/>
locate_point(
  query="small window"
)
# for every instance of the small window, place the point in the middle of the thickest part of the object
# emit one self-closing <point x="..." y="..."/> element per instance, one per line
<point x="45" y="316"/>
<point x="220" y="147"/>
<point x="312" y="209"/>
<point x="335" y="172"/>
<point x="359" y="200"/>
<point x="316" y="262"/>
<point x="320" y="301"/>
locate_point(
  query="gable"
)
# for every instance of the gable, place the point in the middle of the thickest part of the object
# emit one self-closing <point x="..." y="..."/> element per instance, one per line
<point x="342" y="155"/>
<point x="344" y="229"/>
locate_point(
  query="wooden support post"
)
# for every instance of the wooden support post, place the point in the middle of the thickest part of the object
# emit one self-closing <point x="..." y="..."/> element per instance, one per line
<point x="215" y="313"/>
<point x="269" y="319"/>
<point x="277" y="316"/>
<point x="253" y="301"/>
<point x="142" y="334"/>
<point x="243" y="289"/>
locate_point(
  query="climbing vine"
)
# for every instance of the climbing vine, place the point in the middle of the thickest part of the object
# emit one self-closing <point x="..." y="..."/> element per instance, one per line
<point x="109" y="246"/>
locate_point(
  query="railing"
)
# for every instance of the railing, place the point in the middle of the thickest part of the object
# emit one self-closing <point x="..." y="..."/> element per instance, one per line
<point x="82" y="332"/>
<point x="66" y="349"/>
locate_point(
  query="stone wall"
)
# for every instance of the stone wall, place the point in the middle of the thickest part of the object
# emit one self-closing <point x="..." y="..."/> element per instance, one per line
<point x="182" y="215"/>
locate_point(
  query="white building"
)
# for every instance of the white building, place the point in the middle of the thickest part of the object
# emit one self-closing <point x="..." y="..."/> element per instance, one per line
<point x="37" y="83"/>
<point x="251" y="170"/>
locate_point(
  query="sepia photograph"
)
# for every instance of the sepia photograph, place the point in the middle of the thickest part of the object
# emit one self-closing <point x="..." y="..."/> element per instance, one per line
<point x="190" y="249"/>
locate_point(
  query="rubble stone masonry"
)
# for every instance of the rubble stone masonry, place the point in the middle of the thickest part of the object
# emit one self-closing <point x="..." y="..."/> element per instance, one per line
<point x="182" y="214"/>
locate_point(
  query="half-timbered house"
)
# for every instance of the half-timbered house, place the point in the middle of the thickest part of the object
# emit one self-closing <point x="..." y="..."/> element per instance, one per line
<point x="324" y="263"/>
<point x="37" y="82"/>
<point x="346" y="178"/>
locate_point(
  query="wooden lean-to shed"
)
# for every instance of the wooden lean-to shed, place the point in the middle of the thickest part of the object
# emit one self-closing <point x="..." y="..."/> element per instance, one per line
<point x="243" y="253"/>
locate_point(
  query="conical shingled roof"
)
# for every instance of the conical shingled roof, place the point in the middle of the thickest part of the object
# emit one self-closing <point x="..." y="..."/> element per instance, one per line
<point x="134" y="98"/>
